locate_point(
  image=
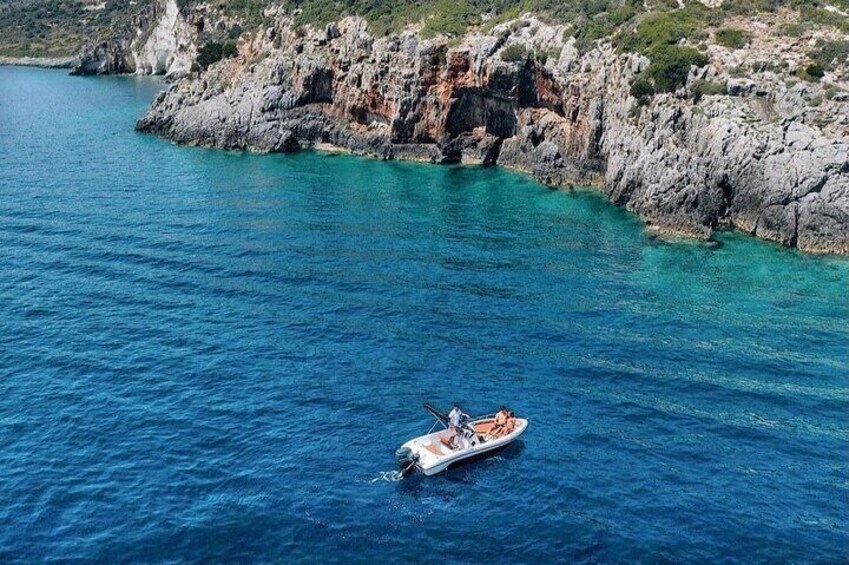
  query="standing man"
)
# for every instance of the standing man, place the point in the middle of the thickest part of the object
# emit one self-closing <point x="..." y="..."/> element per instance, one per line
<point x="455" y="418"/>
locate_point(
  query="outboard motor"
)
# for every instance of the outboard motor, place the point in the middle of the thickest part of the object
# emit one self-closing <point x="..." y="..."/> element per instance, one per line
<point x="406" y="459"/>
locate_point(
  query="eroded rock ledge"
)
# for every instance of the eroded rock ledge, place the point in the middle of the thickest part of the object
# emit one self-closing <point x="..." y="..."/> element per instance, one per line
<point x="758" y="159"/>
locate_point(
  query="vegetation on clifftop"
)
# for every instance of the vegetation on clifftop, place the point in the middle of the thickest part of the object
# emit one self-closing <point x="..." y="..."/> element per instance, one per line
<point x="590" y="19"/>
<point x="57" y="28"/>
<point x="667" y="30"/>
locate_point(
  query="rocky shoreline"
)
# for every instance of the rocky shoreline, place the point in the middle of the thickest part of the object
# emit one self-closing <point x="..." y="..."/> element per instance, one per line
<point x="759" y="157"/>
<point x="42" y="62"/>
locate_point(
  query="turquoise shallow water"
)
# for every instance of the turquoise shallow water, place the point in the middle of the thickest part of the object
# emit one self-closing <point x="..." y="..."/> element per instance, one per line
<point x="210" y="356"/>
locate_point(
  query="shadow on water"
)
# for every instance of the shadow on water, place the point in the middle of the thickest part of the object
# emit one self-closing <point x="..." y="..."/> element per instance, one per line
<point x="461" y="472"/>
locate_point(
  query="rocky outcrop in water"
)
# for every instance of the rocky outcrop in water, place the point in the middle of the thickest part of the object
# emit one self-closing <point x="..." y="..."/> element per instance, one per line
<point x="762" y="159"/>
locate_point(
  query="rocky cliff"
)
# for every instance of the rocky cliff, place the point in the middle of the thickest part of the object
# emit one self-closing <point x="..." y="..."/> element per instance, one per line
<point x="766" y="156"/>
<point x="158" y="40"/>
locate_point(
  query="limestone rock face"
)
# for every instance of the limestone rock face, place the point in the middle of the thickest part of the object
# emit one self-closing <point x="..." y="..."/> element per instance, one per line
<point x="168" y="48"/>
<point x="158" y="41"/>
<point x="758" y="159"/>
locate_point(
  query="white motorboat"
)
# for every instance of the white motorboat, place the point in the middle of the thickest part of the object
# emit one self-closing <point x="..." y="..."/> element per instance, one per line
<point x="436" y="451"/>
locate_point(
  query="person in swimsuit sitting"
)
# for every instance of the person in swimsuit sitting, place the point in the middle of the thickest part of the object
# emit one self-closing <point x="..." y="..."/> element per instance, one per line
<point x="511" y="423"/>
<point x="501" y="419"/>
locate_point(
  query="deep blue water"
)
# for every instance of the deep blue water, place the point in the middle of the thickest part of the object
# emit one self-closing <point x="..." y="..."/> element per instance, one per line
<point x="211" y="356"/>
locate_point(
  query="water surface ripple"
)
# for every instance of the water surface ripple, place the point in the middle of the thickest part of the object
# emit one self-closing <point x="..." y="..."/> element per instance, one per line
<point x="209" y="356"/>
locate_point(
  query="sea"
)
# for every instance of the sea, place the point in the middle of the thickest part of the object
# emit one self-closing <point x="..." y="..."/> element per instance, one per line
<point x="211" y="357"/>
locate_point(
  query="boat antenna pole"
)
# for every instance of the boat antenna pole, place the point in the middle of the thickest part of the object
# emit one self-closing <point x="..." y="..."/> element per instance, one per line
<point x="442" y="418"/>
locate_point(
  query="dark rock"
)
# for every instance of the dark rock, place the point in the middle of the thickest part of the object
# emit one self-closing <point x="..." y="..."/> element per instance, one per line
<point x="332" y="32"/>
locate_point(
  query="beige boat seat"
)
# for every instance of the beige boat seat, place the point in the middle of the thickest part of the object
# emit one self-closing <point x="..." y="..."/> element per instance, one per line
<point x="434" y="448"/>
<point x="484" y="427"/>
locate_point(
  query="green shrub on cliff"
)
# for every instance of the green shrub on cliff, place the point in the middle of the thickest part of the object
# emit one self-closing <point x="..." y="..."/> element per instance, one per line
<point x="317" y="13"/>
<point x="249" y="12"/>
<point x="670" y="65"/>
<point x="592" y="19"/>
<point x="514" y="52"/>
<point x="829" y="54"/>
<point x="814" y="72"/>
<point x="451" y="17"/>
<point x="794" y="29"/>
<point x="732" y="38"/>
<point x="602" y="25"/>
<point x="213" y="52"/>
<point x="229" y="49"/>
<point x="815" y="13"/>
<point x="209" y="54"/>
<point x="703" y="87"/>
<point x="642" y="88"/>
<point x="665" y="29"/>
<point x="235" y="32"/>
<point x="543" y="55"/>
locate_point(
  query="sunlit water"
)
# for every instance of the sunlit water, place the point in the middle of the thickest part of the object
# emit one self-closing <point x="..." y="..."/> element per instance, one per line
<point x="212" y="356"/>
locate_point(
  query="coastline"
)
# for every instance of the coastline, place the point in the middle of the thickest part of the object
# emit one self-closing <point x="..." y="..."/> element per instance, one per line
<point x="41" y="62"/>
<point x="764" y="155"/>
<point x="684" y="163"/>
<point x="653" y="228"/>
<point x="659" y="230"/>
